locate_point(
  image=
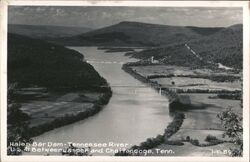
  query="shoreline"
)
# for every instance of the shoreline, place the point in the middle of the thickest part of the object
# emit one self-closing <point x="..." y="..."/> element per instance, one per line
<point x="70" y="118"/>
<point x="153" y="142"/>
<point x="171" y="95"/>
<point x="173" y="127"/>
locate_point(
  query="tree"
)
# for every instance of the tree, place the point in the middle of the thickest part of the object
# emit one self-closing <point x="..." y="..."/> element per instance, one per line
<point x="17" y="122"/>
<point x="233" y="129"/>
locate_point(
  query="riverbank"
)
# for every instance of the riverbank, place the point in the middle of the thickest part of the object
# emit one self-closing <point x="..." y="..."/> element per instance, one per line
<point x="151" y="143"/>
<point x="57" y="109"/>
<point x="172" y="127"/>
<point x="54" y="86"/>
<point x="171" y="95"/>
<point x="200" y="111"/>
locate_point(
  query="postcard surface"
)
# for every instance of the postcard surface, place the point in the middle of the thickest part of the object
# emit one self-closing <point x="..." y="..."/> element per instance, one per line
<point x="124" y="81"/>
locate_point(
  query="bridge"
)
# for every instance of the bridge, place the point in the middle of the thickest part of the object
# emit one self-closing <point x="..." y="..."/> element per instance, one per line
<point x="166" y="90"/>
<point x="169" y="92"/>
<point x="104" y="62"/>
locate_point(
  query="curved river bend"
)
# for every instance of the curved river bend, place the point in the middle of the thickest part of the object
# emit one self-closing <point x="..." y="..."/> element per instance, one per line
<point x="131" y="116"/>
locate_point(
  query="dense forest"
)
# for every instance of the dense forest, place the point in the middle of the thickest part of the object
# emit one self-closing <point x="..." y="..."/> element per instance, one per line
<point x="224" y="46"/>
<point x="35" y="62"/>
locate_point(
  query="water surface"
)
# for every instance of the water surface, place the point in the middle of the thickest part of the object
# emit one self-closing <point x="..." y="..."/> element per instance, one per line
<point x="131" y="116"/>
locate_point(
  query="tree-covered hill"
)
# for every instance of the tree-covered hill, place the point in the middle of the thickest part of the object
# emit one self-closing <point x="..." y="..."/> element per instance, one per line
<point x="128" y="33"/>
<point x="35" y="62"/>
<point x="224" y="46"/>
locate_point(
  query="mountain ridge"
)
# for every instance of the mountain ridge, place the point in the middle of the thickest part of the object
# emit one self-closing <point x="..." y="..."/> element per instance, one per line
<point x="128" y="33"/>
<point x="224" y="46"/>
<point x="46" y="31"/>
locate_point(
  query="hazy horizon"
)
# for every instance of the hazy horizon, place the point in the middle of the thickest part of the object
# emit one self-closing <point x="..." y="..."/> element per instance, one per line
<point x="98" y="17"/>
<point x="120" y="22"/>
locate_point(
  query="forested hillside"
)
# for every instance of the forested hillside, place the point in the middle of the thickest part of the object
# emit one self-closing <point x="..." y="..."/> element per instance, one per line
<point x="223" y="47"/>
<point x="35" y="62"/>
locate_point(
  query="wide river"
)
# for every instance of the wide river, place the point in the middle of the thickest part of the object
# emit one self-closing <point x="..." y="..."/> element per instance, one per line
<point x="134" y="113"/>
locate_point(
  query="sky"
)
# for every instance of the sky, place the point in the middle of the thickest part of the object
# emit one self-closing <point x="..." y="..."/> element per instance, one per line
<point x="98" y="17"/>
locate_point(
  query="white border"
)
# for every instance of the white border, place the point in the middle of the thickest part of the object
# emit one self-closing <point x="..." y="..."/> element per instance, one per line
<point x="3" y="76"/>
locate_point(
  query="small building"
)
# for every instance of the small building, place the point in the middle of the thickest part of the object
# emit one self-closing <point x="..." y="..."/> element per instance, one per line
<point x="154" y="61"/>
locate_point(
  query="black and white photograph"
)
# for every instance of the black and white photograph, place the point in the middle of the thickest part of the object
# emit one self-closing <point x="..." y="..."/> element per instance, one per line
<point x="132" y="81"/>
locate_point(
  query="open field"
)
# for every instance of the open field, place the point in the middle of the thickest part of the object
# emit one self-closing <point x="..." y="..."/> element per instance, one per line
<point x="197" y="83"/>
<point x="162" y="70"/>
<point x="201" y="121"/>
<point x="198" y="134"/>
<point x="202" y="111"/>
<point x="200" y="106"/>
<point x="149" y="70"/>
<point x="44" y="111"/>
<point x="204" y="102"/>
<point x="41" y="111"/>
<point x="185" y="79"/>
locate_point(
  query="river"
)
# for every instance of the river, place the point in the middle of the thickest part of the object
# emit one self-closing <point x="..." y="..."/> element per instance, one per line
<point x="131" y="116"/>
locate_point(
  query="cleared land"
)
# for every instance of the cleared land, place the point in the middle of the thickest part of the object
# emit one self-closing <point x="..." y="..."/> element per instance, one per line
<point x="197" y="83"/>
<point x="149" y="70"/>
<point x="185" y="78"/>
<point x="45" y="110"/>
<point x="201" y="118"/>
<point x="200" y="109"/>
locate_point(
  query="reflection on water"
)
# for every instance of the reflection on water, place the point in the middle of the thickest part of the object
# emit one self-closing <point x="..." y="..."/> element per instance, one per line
<point x="131" y="116"/>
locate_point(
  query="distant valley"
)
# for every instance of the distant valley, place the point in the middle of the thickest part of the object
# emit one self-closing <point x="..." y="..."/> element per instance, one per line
<point x="168" y="44"/>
